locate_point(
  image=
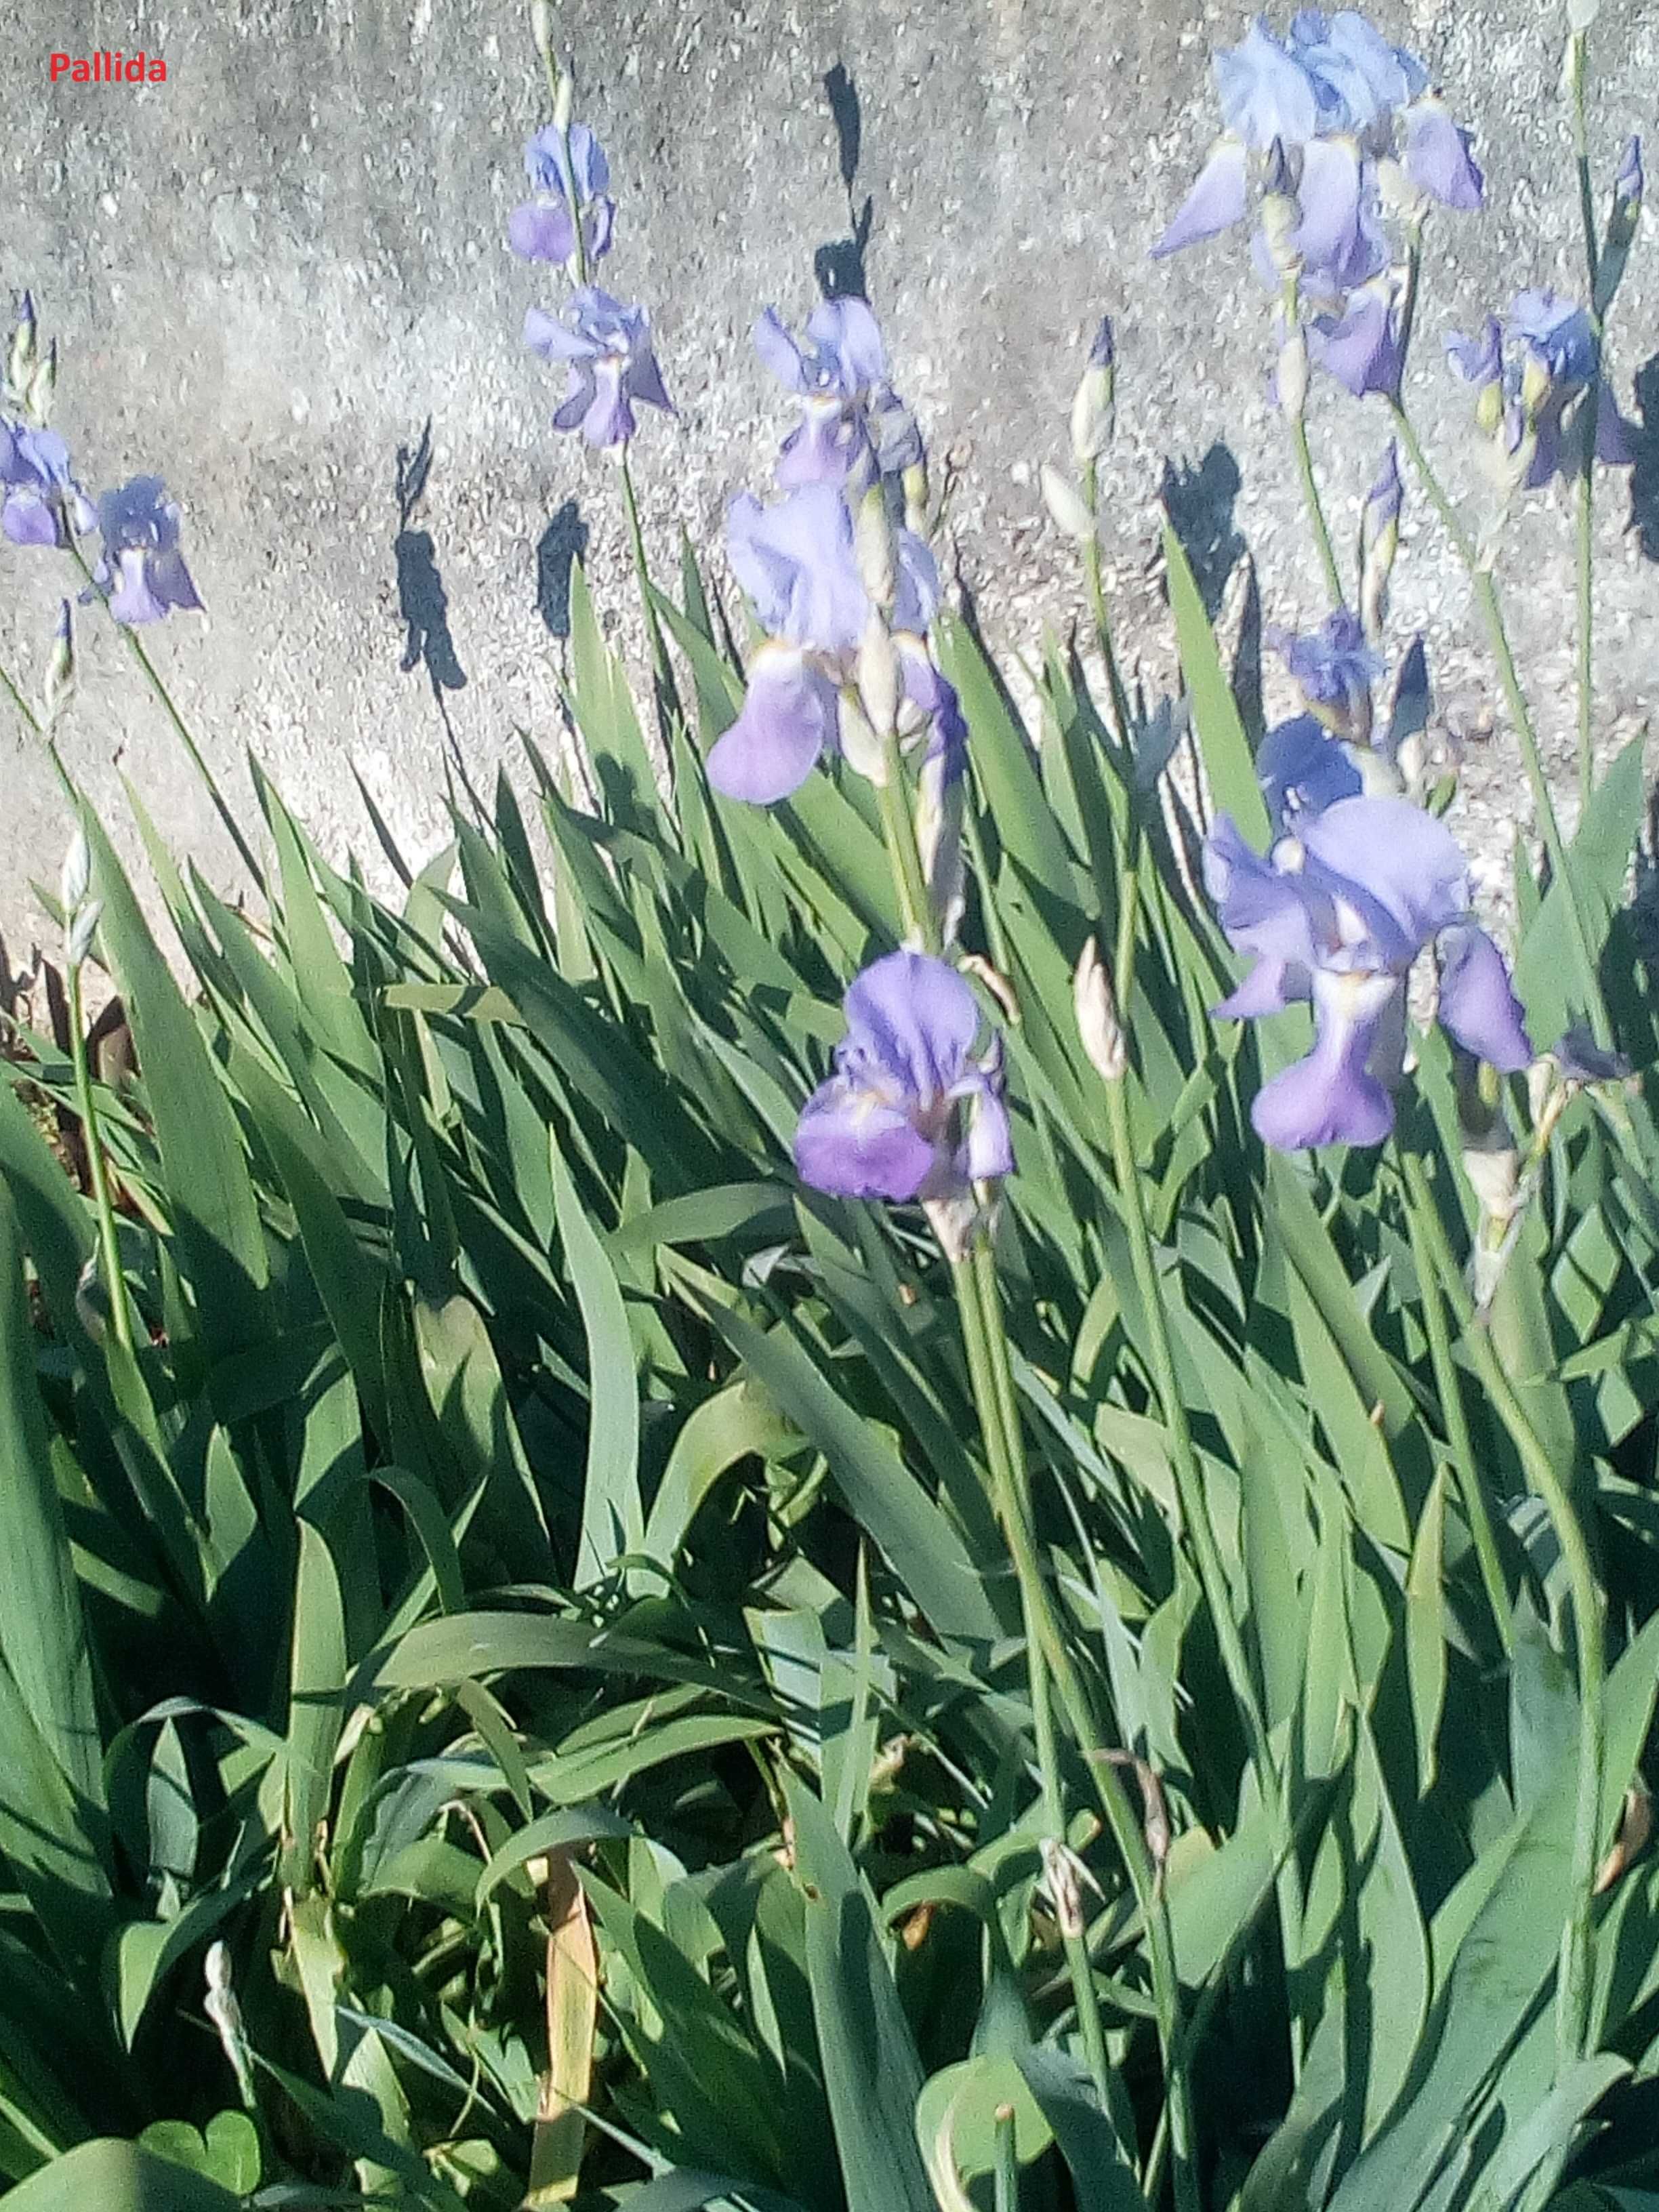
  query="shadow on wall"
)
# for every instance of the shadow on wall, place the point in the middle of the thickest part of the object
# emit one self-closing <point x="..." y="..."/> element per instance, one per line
<point x="839" y="263"/>
<point x="1200" y="505"/>
<point x="423" y="603"/>
<point x="561" y="545"/>
<point x="1645" y="476"/>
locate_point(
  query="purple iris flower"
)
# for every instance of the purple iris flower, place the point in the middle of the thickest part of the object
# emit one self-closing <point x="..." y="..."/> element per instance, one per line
<point x="543" y="228"/>
<point x="1557" y="332"/>
<point x="909" y="1113"/>
<point x="1266" y="93"/>
<point x="607" y="349"/>
<point x="43" y="503"/>
<point x="1337" y="913"/>
<point x="1335" y="669"/>
<point x="1330" y="103"/>
<point x="852" y="421"/>
<point x="1479" y="361"/>
<point x="795" y="559"/>
<point x="143" y="572"/>
<point x="1536" y="366"/>
<point x="1363" y="346"/>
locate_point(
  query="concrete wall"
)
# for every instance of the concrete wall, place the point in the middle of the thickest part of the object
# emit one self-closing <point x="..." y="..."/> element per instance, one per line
<point x="268" y="272"/>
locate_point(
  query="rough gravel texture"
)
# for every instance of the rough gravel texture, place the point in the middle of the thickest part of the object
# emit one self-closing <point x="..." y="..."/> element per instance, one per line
<point x="267" y="274"/>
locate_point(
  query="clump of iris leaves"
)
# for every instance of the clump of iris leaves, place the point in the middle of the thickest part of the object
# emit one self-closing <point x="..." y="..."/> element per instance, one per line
<point x="546" y="1657"/>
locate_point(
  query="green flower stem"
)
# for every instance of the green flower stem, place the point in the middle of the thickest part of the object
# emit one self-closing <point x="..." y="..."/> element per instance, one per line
<point x="16" y="696"/>
<point x="909" y="882"/>
<point x="1585" y="505"/>
<point x="1449" y="1384"/>
<point x="984" y="1341"/>
<point x="1315" y="505"/>
<point x="181" y="728"/>
<point x="1122" y="719"/>
<point x="1049" y="1661"/>
<point x="1492" y="619"/>
<point x="1576" y="1985"/>
<point x="1005" y="2179"/>
<point x="661" y="667"/>
<point x="1189" y="1484"/>
<point x="1577" y="71"/>
<point x="109" y="1248"/>
<point x="1577" y="66"/>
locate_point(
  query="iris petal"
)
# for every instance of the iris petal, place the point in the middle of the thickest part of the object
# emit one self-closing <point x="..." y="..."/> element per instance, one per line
<point x="1215" y="203"/>
<point x="1477" y="1004"/>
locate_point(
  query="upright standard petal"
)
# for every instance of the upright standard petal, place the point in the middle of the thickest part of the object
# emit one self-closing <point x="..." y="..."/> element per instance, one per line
<point x="1216" y="202"/>
<point x="1477" y="1006"/>
<point x="1331" y="1098"/>
<point x="1266" y="93"/>
<point x="846" y="334"/>
<point x="1397" y="854"/>
<point x="779" y="352"/>
<point x="1360" y="80"/>
<point x="917" y="1018"/>
<point x="788" y="717"/>
<point x="795" y="560"/>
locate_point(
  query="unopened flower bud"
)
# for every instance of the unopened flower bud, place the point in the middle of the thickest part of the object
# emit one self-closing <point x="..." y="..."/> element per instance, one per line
<point x="1488" y="408"/>
<point x="1092" y="404"/>
<point x="1097" y="1023"/>
<point x="1290" y="382"/>
<point x="941" y="799"/>
<point x="1281" y="214"/>
<point x="222" y="2007"/>
<point x="564" y="99"/>
<point x="1066" y="505"/>
<point x="82" y="932"/>
<point x="912" y="482"/>
<point x="541" y="27"/>
<point x="74" y="878"/>
<point x="1379" y="541"/>
<point x="955" y="1221"/>
<point x="861" y="748"/>
<point x="1581" y="14"/>
<point x="42" y="385"/>
<point x="58" y="688"/>
<point x="878" y="677"/>
<point x="1495" y="1179"/>
<point x="20" y="365"/>
<point x="873" y="547"/>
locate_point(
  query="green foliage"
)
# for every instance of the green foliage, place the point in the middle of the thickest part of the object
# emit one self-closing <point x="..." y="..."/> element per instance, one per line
<point x="520" y="1491"/>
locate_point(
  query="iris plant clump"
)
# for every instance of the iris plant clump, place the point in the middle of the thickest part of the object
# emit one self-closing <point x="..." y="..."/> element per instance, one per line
<point x="1266" y="1450"/>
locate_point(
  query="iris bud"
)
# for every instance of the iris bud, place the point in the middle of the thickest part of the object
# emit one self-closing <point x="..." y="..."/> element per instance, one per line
<point x="1097" y="1022"/>
<point x="1066" y="505"/>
